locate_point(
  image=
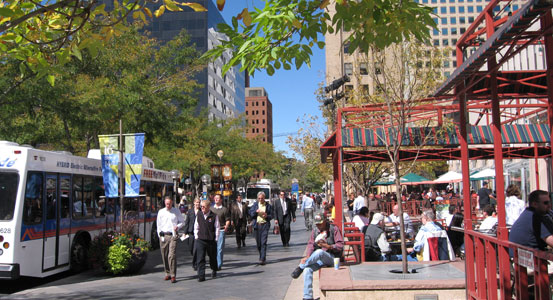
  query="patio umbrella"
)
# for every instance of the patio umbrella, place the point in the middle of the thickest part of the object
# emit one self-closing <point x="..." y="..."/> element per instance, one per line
<point x="448" y="177"/>
<point x="484" y="174"/>
<point x="413" y="179"/>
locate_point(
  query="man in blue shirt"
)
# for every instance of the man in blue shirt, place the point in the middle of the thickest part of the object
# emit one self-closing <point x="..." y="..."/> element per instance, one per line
<point x="529" y="229"/>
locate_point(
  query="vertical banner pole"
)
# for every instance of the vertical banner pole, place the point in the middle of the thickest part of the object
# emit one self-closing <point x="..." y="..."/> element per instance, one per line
<point x="121" y="172"/>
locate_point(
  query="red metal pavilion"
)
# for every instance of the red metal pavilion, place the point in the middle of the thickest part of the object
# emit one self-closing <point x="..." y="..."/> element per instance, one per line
<point x="500" y="97"/>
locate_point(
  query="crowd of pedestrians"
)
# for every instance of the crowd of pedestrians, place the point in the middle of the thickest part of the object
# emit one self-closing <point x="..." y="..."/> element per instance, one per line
<point x="207" y="224"/>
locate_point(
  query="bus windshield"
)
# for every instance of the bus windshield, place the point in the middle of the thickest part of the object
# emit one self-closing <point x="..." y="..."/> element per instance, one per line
<point x="8" y="193"/>
<point x="251" y="193"/>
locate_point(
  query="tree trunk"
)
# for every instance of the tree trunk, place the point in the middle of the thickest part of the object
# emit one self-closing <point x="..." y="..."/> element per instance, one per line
<point x="401" y="224"/>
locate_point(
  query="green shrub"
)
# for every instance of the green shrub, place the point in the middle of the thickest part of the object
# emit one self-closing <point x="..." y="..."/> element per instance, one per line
<point x="118" y="258"/>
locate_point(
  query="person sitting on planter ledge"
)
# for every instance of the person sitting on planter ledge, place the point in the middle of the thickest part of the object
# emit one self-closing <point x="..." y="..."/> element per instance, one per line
<point x="169" y="221"/>
<point x="325" y="244"/>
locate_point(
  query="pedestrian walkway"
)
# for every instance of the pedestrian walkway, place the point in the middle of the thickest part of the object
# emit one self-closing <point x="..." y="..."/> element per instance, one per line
<point x="240" y="278"/>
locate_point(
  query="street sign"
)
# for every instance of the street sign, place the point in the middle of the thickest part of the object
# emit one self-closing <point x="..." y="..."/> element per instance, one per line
<point x="525" y="258"/>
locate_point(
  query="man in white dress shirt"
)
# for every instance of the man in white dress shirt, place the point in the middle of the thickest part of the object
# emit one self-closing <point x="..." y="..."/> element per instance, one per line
<point x="169" y="221"/>
<point x="393" y="220"/>
<point x="358" y="203"/>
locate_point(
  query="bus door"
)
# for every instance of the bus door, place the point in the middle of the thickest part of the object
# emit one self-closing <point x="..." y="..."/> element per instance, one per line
<point x="51" y="234"/>
<point x="64" y="221"/>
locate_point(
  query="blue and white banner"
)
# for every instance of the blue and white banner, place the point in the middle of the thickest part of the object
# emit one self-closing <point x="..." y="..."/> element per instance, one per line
<point x="134" y="147"/>
<point x="109" y="146"/>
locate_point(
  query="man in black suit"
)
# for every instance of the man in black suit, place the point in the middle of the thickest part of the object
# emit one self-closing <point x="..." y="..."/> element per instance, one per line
<point x="189" y="229"/>
<point x="284" y="213"/>
<point x="239" y="219"/>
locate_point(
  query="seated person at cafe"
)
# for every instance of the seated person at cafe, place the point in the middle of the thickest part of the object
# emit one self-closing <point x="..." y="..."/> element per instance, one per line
<point x="457" y="238"/>
<point x="393" y="221"/>
<point x="362" y="219"/>
<point x="490" y="220"/>
<point x="529" y="229"/>
<point x="428" y="227"/>
<point x="376" y="244"/>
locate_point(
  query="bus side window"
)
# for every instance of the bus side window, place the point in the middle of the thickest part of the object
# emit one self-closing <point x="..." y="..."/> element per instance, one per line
<point x="99" y="204"/>
<point x="148" y="192"/>
<point x="88" y="193"/>
<point x="32" y="205"/>
<point x="65" y="190"/>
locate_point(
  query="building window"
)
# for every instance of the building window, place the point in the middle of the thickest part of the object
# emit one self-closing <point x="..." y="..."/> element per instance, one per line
<point x="263" y="130"/>
<point x="348" y="69"/>
<point x="263" y="121"/>
<point x="444" y="21"/>
<point x="454" y="30"/>
<point x="445" y="42"/>
<point x="436" y="42"/>
<point x="444" y="31"/>
<point x="257" y="121"/>
<point x="263" y="112"/>
<point x="453" y="53"/>
<point x="377" y="69"/>
<point x="461" y="9"/>
<point x="246" y="112"/>
<point x="479" y="8"/>
<point x="446" y="74"/>
<point x="446" y="64"/>
<point x="454" y="63"/>
<point x="263" y="103"/>
<point x="470" y="10"/>
<point x="453" y="20"/>
<point x="435" y="31"/>
<point x="256" y="103"/>
<point x="462" y="20"/>
<point x="463" y="30"/>
<point x="346" y="47"/>
<point x="435" y="10"/>
<point x="443" y="10"/>
<point x="363" y="69"/>
<point x="453" y="42"/>
<point x="246" y="103"/>
<point x="365" y="89"/>
<point x="452" y="9"/>
<point x="435" y="20"/>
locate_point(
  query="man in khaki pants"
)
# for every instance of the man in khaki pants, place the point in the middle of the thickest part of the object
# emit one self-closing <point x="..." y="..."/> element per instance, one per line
<point x="169" y="221"/>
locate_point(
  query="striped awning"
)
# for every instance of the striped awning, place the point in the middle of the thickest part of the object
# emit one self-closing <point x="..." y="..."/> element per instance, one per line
<point x="432" y="136"/>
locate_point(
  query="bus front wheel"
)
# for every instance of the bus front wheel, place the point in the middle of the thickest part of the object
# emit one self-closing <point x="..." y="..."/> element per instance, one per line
<point x="79" y="255"/>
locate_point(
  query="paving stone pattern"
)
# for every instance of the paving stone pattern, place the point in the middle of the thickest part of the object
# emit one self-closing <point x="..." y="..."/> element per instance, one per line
<point x="240" y="278"/>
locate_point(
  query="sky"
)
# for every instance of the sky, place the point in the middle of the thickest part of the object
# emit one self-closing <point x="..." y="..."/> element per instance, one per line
<point x="292" y="92"/>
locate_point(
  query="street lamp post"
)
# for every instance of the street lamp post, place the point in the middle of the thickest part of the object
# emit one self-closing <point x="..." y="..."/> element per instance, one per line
<point x="188" y="183"/>
<point x="175" y="174"/>
<point x="205" y="180"/>
<point x="220" y="154"/>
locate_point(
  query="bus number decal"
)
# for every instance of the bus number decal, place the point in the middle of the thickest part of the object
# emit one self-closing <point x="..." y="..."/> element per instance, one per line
<point x="5" y="230"/>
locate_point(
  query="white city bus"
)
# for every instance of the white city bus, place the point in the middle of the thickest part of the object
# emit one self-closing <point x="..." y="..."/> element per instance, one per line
<point x="52" y="205"/>
<point x="270" y="189"/>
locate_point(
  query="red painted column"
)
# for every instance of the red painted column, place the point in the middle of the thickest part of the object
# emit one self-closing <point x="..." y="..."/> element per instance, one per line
<point x="502" y="231"/>
<point x="546" y="21"/>
<point x="463" y="125"/>
<point x="337" y="173"/>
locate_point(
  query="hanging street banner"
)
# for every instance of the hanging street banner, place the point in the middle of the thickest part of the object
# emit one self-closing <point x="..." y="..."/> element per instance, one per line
<point x="134" y="147"/>
<point x="109" y="147"/>
<point x="109" y="144"/>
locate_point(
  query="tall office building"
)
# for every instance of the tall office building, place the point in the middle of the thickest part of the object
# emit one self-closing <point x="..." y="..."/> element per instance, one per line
<point x="452" y="17"/>
<point x="259" y="114"/>
<point x="222" y="95"/>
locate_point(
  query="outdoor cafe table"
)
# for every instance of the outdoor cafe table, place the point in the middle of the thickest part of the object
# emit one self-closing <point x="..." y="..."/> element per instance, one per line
<point x="395" y="246"/>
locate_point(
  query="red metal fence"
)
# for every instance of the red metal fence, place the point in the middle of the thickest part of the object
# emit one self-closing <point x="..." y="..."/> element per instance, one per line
<point x="491" y="272"/>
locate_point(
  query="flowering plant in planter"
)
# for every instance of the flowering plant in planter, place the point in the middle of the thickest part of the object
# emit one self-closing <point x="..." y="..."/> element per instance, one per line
<point x="119" y="253"/>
